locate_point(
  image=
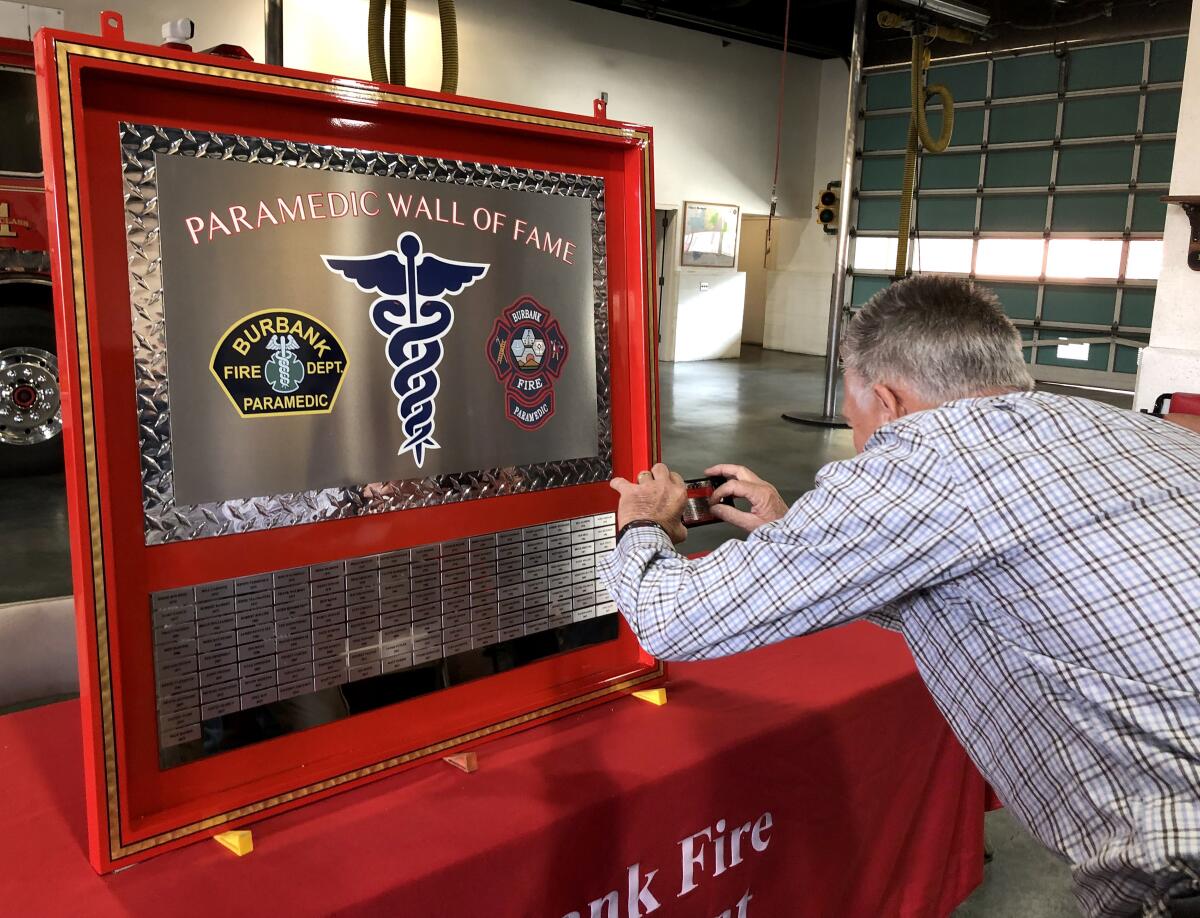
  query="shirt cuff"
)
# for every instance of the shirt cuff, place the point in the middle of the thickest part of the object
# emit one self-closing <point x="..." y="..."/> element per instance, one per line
<point x="630" y="556"/>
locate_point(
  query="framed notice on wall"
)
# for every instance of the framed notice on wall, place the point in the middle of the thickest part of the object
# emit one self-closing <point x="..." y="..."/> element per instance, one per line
<point x="710" y="235"/>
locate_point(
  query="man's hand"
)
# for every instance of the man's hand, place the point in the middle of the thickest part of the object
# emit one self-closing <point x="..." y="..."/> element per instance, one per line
<point x="659" y="495"/>
<point x="766" y="506"/>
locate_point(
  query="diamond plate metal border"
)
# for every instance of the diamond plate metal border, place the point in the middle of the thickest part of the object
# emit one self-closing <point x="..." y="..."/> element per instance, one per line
<point x="168" y="521"/>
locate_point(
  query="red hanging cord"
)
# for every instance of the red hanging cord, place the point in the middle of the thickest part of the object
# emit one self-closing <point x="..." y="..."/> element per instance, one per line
<point x="787" y="16"/>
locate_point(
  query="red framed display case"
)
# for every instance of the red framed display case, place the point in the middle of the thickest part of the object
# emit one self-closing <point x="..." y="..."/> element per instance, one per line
<point x="90" y="90"/>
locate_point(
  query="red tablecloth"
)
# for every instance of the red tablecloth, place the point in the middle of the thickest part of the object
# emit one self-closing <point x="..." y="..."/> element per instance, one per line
<point x="874" y="811"/>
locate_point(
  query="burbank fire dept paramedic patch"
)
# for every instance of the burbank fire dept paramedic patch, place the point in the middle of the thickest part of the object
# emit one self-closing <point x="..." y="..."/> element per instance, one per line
<point x="527" y="351"/>
<point x="279" y="362"/>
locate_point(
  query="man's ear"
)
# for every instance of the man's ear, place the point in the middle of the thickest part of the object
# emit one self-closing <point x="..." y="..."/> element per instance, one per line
<point x="888" y="402"/>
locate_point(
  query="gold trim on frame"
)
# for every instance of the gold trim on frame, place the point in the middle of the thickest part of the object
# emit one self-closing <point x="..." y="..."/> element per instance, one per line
<point x="64" y="51"/>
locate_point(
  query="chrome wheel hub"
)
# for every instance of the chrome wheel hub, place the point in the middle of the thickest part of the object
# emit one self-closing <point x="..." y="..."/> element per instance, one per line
<point x="30" y="411"/>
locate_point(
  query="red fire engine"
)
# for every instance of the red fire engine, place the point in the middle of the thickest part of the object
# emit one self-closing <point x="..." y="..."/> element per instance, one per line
<point x="30" y="417"/>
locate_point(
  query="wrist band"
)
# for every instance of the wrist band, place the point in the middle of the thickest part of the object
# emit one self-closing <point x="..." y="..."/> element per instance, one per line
<point x="639" y="524"/>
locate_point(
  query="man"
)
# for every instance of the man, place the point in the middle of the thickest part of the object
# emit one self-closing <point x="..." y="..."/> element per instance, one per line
<point x="1040" y="554"/>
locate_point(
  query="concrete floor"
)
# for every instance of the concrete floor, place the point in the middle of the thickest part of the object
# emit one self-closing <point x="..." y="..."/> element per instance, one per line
<point x="729" y="411"/>
<point x="35" y="562"/>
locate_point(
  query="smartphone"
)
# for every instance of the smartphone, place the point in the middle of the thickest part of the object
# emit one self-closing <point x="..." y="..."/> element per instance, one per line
<point x="696" y="512"/>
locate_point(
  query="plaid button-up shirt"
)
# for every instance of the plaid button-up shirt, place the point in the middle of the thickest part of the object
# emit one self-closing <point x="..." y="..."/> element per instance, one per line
<point x="1041" y="556"/>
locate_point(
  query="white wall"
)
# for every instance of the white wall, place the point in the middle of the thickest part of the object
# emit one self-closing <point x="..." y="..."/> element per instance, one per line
<point x="712" y="106"/>
<point x="708" y="322"/>
<point x="1172" y="361"/>
<point x="799" y="287"/>
<point x="750" y="260"/>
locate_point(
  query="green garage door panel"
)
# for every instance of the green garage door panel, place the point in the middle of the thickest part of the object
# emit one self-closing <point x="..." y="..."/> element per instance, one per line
<point x="1162" y="112"/>
<point x="878" y="214"/>
<point x="1105" y="66"/>
<point x="1019" y="300"/>
<point x="888" y="90"/>
<point x="1027" y="352"/>
<point x="1025" y="76"/>
<point x="1013" y="213"/>
<point x="1155" y="162"/>
<point x="864" y="287"/>
<point x="968" y="126"/>
<point x="1149" y="213"/>
<point x="1126" y="360"/>
<point x="966" y="82"/>
<point x="944" y="214"/>
<point x="1083" y="305"/>
<point x="950" y="170"/>
<point x="885" y="132"/>
<point x="1166" y="60"/>
<point x="881" y="173"/>
<point x="1018" y="168"/>
<point x="1097" y="358"/>
<point x="1089" y="212"/>
<point x="1102" y="164"/>
<point x="1137" y="306"/>
<point x="1100" y="116"/>
<point x="1023" y="121"/>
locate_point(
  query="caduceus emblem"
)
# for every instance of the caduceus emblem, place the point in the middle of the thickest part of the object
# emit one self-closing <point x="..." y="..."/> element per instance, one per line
<point x="413" y="315"/>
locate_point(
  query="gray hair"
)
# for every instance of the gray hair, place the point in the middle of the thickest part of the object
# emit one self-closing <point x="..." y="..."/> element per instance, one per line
<point x="945" y="337"/>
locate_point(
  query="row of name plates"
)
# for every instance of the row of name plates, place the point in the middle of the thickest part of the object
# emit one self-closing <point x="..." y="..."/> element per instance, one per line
<point x="240" y="644"/>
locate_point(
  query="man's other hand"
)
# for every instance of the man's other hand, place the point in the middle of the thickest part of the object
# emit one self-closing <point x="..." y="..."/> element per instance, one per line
<point x="766" y="506"/>
<point x="659" y="495"/>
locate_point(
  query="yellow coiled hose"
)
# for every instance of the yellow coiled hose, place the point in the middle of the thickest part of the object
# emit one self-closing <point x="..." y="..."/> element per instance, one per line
<point x="375" y="53"/>
<point x="918" y="129"/>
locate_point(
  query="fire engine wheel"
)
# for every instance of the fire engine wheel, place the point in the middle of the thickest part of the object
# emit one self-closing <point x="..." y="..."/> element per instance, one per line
<point x="29" y="400"/>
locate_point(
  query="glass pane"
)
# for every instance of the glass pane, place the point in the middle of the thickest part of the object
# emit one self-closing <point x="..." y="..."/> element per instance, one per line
<point x="1126" y="360"/>
<point x="1155" y="162"/>
<point x="1018" y="168"/>
<point x="950" y="170"/>
<point x="968" y="127"/>
<point x="1019" y="300"/>
<point x="22" y="147"/>
<point x="944" y="213"/>
<point x="878" y="213"/>
<point x="1166" y="60"/>
<point x="1137" y="307"/>
<point x="1149" y="212"/>
<point x="874" y="253"/>
<point x="886" y="132"/>
<point x="1102" y="164"/>
<point x="1023" y="121"/>
<point x="1090" y="212"/>
<point x="945" y="256"/>
<point x="1083" y="258"/>
<point x="887" y="90"/>
<point x="1145" y="259"/>
<point x="1025" y="76"/>
<point x="1162" y="112"/>
<point x="1108" y="65"/>
<point x="881" y="173"/>
<point x="966" y="82"/>
<point x="1063" y="354"/>
<point x="1010" y="213"/>
<point x="864" y="288"/>
<point x="1009" y="258"/>
<point x="1086" y="305"/>
<point x="1100" y="116"/>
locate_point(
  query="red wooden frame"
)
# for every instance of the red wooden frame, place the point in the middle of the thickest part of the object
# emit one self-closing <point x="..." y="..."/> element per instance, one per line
<point x="86" y="86"/>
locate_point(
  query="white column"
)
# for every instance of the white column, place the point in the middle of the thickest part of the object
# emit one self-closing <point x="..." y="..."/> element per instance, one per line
<point x="1172" y="361"/>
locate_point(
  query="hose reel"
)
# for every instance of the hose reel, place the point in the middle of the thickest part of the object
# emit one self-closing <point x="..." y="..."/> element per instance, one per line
<point x="375" y="52"/>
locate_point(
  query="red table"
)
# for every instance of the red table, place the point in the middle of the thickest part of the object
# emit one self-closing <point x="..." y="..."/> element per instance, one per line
<point x="874" y="811"/>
